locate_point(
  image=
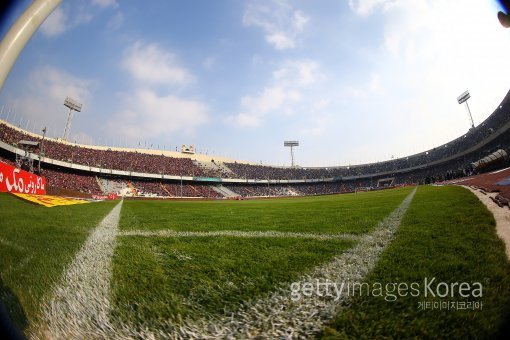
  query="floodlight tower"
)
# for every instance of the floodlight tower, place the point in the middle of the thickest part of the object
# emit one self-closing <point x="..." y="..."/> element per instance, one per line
<point x="463" y="98"/>
<point x="291" y="144"/>
<point x="73" y="105"/>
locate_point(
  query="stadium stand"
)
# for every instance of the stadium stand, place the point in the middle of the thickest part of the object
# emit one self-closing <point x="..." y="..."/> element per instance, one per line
<point x="151" y="188"/>
<point x="72" y="181"/>
<point x="106" y="159"/>
<point x="116" y="186"/>
<point x="455" y="159"/>
<point x="215" y="169"/>
<point x="191" y="190"/>
<point x="223" y="191"/>
<point x="261" y="190"/>
<point x="148" y="188"/>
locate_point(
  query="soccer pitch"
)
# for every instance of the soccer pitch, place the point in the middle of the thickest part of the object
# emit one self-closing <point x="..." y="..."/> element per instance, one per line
<point x="243" y="268"/>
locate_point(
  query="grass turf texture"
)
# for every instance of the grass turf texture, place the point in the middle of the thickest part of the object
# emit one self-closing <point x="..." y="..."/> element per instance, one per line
<point x="447" y="234"/>
<point x="36" y="243"/>
<point x="158" y="279"/>
<point x="348" y="213"/>
<point x="168" y="279"/>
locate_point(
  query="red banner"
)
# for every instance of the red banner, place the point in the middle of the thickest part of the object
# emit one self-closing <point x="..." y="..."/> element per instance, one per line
<point x="112" y="196"/>
<point x="19" y="181"/>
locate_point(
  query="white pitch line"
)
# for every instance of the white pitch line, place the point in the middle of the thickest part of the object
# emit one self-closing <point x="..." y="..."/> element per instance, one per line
<point x="80" y="304"/>
<point x="279" y="316"/>
<point x="238" y="233"/>
<point x="80" y="307"/>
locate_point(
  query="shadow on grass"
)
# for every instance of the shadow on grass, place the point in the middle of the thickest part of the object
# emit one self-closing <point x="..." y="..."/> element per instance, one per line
<point x="13" y="320"/>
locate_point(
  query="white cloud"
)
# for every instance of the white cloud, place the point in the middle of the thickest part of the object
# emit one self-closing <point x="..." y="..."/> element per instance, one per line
<point x="285" y="91"/>
<point x="431" y="51"/>
<point x="300" y="72"/>
<point x="365" y="7"/>
<point x="280" y="40"/>
<point x="281" y="23"/>
<point x="255" y="108"/>
<point x="299" y="21"/>
<point x="105" y="3"/>
<point x="151" y="64"/>
<point x="43" y="100"/>
<point x="148" y="115"/>
<point x="270" y="99"/>
<point x="68" y="16"/>
<point x="244" y="120"/>
<point x="57" y="84"/>
<point x="449" y="47"/>
<point x="55" y="24"/>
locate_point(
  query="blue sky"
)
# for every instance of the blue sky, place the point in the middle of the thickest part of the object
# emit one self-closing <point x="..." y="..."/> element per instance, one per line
<point x="354" y="81"/>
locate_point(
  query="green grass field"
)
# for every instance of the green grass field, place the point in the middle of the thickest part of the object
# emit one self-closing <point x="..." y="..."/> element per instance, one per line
<point x="324" y="214"/>
<point x="160" y="281"/>
<point x="222" y="272"/>
<point x="36" y="243"/>
<point x="447" y="234"/>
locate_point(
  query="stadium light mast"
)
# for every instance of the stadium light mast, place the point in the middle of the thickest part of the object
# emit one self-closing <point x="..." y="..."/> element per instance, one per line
<point x="463" y="98"/>
<point x="291" y="144"/>
<point x="73" y="105"/>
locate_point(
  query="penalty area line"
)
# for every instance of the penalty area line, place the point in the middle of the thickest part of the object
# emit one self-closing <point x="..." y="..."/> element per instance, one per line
<point x="80" y="307"/>
<point x="238" y="233"/>
<point x="279" y="316"/>
<point x="80" y="303"/>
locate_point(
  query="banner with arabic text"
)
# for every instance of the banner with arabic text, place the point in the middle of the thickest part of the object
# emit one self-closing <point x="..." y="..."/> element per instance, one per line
<point x="19" y="181"/>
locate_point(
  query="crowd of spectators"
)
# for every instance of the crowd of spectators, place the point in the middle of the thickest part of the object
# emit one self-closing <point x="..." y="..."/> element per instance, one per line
<point x="452" y="162"/>
<point x="7" y="161"/>
<point x="191" y="190"/>
<point x="72" y="181"/>
<point x="148" y="188"/>
<point x="214" y="169"/>
<point x="260" y="190"/>
<point x="106" y="159"/>
<point x="302" y="189"/>
<point x="324" y="188"/>
<point x="251" y="171"/>
<point x="65" y="180"/>
<point x="159" y="189"/>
